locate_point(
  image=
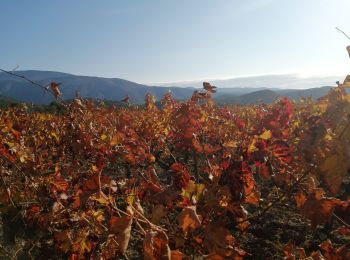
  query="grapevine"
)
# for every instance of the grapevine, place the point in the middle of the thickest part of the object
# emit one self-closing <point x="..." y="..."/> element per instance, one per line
<point x="185" y="176"/>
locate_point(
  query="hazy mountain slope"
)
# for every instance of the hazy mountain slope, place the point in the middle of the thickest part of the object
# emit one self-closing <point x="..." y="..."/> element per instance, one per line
<point x="298" y="93"/>
<point x="265" y="96"/>
<point x="268" y="96"/>
<point x="89" y="87"/>
<point x="115" y="89"/>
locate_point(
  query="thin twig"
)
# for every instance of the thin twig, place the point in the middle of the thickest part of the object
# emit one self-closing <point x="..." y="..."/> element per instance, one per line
<point x="341" y="221"/>
<point x="342" y="33"/>
<point x="140" y="227"/>
<point x="140" y="217"/>
<point x="5" y="253"/>
<point x="60" y="100"/>
<point x="270" y="205"/>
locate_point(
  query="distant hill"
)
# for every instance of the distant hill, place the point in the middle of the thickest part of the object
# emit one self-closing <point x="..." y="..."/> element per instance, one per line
<point x="264" y="96"/>
<point x="115" y="89"/>
<point x="268" y="96"/>
<point x="89" y="87"/>
<point x="298" y="93"/>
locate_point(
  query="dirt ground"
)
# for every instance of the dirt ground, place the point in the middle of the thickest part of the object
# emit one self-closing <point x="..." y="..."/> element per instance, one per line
<point x="265" y="238"/>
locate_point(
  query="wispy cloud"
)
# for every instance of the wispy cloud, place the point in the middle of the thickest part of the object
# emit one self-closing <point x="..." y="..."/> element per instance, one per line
<point x="293" y="81"/>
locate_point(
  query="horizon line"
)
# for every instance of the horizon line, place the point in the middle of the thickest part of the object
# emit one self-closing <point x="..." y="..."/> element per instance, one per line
<point x="198" y="80"/>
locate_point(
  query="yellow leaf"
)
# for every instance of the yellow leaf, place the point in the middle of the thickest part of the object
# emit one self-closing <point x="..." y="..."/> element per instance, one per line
<point x="84" y="246"/>
<point x="53" y="134"/>
<point x="323" y="106"/>
<point x="346" y="83"/>
<point x="57" y="168"/>
<point x="102" y="199"/>
<point x="328" y="137"/>
<point x="334" y="169"/>
<point x="252" y="148"/>
<point x="103" y="137"/>
<point x="166" y="131"/>
<point x="116" y="139"/>
<point x="99" y="215"/>
<point x="23" y="158"/>
<point x="131" y="197"/>
<point x="266" y="135"/>
<point x="193" y="190"/>
<point x="230" y="144"/>
<point x="94" y="168"/>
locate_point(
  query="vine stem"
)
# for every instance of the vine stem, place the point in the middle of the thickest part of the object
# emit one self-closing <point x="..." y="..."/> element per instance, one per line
<point x="270" y="205"/>
<point x="60" y="100"/>
<point x="342" y="32"/>
<point x="341" y="221"/>
<point x="6" y="253"/>
<point x="142" y="217"/>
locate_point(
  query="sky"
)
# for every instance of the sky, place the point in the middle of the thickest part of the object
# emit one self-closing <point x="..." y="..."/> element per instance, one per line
<point x="166" y="41"/>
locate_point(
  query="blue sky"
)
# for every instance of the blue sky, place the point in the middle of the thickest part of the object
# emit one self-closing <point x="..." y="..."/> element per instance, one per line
<point x="168" y="41"/>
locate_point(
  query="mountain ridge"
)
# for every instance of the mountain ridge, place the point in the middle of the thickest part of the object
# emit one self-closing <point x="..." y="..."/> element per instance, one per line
<point x="115" y="89"/>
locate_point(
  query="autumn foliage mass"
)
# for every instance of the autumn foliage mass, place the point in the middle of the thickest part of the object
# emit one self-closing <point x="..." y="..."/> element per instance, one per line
<point x="182" y="177"/>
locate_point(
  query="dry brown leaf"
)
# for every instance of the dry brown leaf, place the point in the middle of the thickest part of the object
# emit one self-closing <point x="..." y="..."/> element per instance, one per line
<point x="213" y="256"/>
<point x="301" y="253"/>
<point x="177" y="255"/>
<point x="56" y="91"/>
<point x="300" y="199"/>
<point x="138" y="207"/>
<point x="158" y="212"/>
<point x="155" y="246"/>
<point x="126" y="99"/>
<point x="166" y="197"/>
<point x="219" y="241"/>
<point x="319" y="210"/>
<point x="208" y="87"/>
<point x="63" y="240"/>
<point x="333" y="253"/>
<point x="121" y="228"/>
<point x="289" y="251"/>
<point x="316" y="255"/>
<point x="77" y="102"/>
<point x="188" y="219"/>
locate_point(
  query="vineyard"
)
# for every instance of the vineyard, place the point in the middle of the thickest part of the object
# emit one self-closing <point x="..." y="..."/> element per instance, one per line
<point x="181" y="180"/>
